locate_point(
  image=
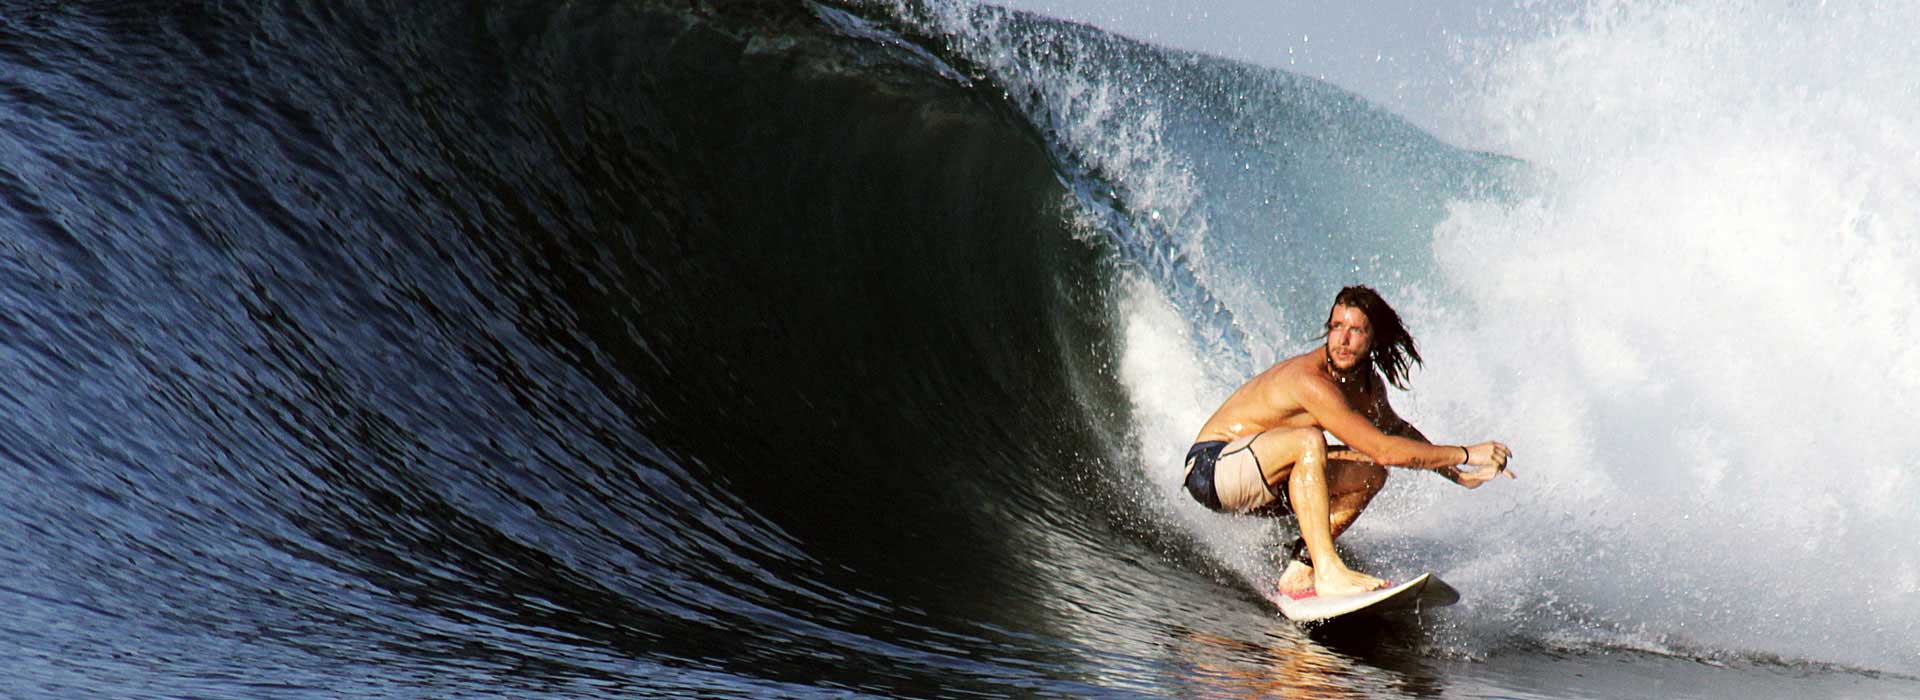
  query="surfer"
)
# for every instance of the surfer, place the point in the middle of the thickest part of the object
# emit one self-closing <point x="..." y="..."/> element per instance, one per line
<point x="1265" y="450"/>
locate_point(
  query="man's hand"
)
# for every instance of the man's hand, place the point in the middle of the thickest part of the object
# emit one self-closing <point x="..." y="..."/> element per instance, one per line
<point x="1491" y="458"/>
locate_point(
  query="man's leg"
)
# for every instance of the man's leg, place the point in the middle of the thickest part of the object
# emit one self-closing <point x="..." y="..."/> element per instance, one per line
<point x="1351" y="486"/>
<point x="1326" y="498"/>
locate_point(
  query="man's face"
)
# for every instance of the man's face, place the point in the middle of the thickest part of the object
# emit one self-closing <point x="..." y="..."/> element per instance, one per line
<point x="1349" y="337"/>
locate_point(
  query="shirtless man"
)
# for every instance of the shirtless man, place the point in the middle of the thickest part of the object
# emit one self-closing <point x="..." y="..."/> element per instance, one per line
<point x="1264" y="453"/>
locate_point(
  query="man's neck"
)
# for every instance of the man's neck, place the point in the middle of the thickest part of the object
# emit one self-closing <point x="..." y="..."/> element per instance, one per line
<point x="1349" y="378"/>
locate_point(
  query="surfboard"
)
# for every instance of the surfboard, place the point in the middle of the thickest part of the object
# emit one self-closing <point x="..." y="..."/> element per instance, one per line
<point x="1419" y="592"/>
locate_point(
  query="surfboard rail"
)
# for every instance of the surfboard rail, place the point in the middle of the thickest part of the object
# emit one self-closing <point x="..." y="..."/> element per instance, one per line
<point x="1422" y="591"/>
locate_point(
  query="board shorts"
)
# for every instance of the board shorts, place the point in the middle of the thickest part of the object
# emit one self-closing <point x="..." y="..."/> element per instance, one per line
<point x="1231" y="481"/>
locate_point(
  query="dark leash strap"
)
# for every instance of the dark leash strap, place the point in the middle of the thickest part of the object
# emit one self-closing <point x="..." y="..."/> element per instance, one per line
<point x="1298" y="551"/>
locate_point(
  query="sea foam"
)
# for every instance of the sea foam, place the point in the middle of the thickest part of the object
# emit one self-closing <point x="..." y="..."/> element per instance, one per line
<point x="1698" y="334"/>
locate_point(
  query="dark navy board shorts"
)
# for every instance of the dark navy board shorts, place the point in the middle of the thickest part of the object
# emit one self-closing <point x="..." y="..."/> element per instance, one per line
<point x="1231" y="481"/>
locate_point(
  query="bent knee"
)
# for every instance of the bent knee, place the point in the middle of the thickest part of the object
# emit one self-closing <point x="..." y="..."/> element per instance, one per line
<point x="1311" y="441"/>
<point x="1359" y="476"/>
<point x="1376" y="476"/>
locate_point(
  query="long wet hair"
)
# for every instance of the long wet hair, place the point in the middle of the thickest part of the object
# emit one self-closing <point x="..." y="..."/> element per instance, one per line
<point x="1393" y="352"/>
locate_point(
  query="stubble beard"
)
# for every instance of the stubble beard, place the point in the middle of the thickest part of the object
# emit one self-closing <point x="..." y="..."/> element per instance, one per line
<point x="1359" y="362"/>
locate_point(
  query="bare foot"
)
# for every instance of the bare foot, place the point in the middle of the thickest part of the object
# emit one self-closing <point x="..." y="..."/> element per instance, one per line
<point x="1297" y="580"/>
<point x="1340" y="580"/>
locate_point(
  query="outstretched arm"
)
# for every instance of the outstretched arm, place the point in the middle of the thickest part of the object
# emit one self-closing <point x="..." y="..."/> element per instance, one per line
<point x="1391" y="425"/>
<point x="1331" y="410"/>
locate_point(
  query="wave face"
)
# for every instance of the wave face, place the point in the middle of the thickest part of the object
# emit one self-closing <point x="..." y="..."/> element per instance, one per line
<point x="768" y="349"/>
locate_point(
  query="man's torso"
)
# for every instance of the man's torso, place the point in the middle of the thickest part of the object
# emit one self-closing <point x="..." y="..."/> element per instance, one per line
<point x="1267" y="401"/>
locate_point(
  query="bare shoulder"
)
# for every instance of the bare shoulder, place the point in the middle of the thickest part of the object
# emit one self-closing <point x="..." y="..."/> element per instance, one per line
<point x="1297" y="376"/>
<point x="1315" y="388"/>
<point x="1303" y="365"/>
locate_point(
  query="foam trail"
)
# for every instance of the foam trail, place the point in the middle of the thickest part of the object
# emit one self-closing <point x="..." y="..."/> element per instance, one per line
<point x="1700" y="335"/>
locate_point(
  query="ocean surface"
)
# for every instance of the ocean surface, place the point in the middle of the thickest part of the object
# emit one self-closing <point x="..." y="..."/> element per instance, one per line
<point x="539" y="349"/>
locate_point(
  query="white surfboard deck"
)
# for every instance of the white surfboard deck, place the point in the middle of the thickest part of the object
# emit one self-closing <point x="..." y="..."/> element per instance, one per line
<point x="1423" y="591"/>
